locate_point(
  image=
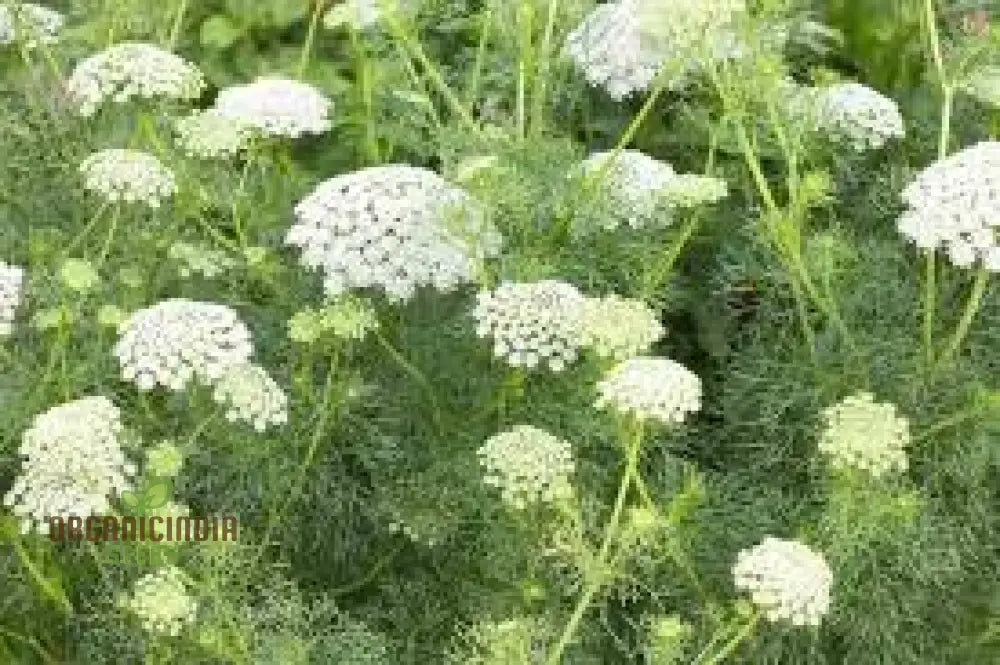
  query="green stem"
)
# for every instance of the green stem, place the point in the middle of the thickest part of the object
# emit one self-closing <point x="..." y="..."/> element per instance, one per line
<point x="310" y="37"/>
<point x="971" y="309"/>
<point x="52" y="592"/>
<point x="597" y="578"/>
<point x="87" y="229"/>
<point x="735" y="642"/>
<point x="477" y="70"/>
<point x="662" y="266"/>
<point x="930" y="296"/>
<point x="317" y="437"/>
<point x="416" y="374"/>
<point x="413" y="44"/>
<point x="544" y="64"/>
<point x="175" y="30"/>
<point x="109" y="240"/>
<point x="46" y="657"/>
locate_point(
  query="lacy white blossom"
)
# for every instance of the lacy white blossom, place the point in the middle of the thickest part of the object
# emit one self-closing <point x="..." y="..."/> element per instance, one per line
<point x="276" y="107"/>
<point x="952" y="204"/>
<point x="786" y="580"/>
<point x="132" y="70"/>
<point x="161" y="602"/>
<point x="528" y="466"/>
<point x="860" y="116"/>
<point x="861" y="433"/>
<point x="607" y="48"/>
<point x="177" y="341"/>
<point x="532" y="324"/>
<point x="619" y="328"/>
<point x="208" y="134"/>
<point x="392" y="227"/>
<point x="639" y="191"/>
<point x="651" y="388"/>
<point x="516" y="641"/>
<point x="251" y="396"/>
<point x="129" y="176"/>
<point x="11" y="286"/>
<point x="73" y="463"/>
<point x="29" y="24"/>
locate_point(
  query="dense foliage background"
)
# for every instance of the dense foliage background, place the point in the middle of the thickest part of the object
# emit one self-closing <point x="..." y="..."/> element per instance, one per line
<point x="367" y="534"/>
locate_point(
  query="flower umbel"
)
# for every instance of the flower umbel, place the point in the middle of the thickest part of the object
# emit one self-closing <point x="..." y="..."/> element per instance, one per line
<point x="275" y="107"/>
<point x="651" y="388"/>
<point x="251" y="396"/>
<point x="128" y="176"/>
<point x="11" y="286"/>
<point x="861" y="433"/>
<point x="528" y="466"/>
<point x="161" y="602"/>
<point x="786" y="580"/>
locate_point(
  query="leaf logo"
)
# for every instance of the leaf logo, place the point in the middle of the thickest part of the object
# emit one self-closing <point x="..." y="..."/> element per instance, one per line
<point x="154" y="495"/>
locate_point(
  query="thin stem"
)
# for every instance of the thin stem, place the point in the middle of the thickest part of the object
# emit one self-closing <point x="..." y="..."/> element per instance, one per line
<point x="310" y="37"/>
<point x="662" y="266"/>
<point x="477" y="69"/>
<point x="54" y="593"/>
<point x="735" y="642"/>
<point x="930" y="297"/>
<point x="413" y="44"/>
<point x="971" y="309"/>
<point x="419" y="376"/>
<point x="109" y="240"/>
<point x="317" y="437"/>
<point x="175" y="30"/>
<point x="544" y="62"/>
<point x="597" y="579"/>
<point x="87" y="229"/>
<point x="33" y="643"/>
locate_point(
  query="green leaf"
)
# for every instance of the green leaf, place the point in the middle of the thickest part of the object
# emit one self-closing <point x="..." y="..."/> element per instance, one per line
<point x="130" y="498"/>
<point x="218" y="32"/>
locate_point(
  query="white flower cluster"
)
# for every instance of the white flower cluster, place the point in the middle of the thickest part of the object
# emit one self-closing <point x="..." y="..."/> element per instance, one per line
<point x="952" y="204"/>
<point x="516" y="641"/>
<point x="861" y="433"/>
<point x="860" y="116"/>
<point x="207" y="134"/>
<point x="640" y="191"/>
<point x="528" y="465"/>
<point x="360" y="14"/>
<point x="688" y="33"/>
<point x="251" y="396"/>
<point x="607" y="48"/>
<point x="651" y="388"/>
<point x="393" y="227"/>
<point x="786" y="580"/>
<point x="29" y="24"/>
<point x="161" y="602"/>
<point x="73" y="463"/>
<point x="532" y="324"/>
<point x="11" y="286"/>
<point x="132" y="70"/>
<point x="130" y="176"/>
<point x="619" y="328"/>
<point x="177" y="341"/>
<point x="276" y="107"/>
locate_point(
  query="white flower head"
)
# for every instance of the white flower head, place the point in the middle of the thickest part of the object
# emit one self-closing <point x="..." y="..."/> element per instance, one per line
<point x="251" y="396"/>
<point x="861" y="433"/>
<point x="73" y="463"/>
<point x="786" y="580"/>
<point x="128" y="176"/>
<point x="133" y="70"/>
<point x="29" y="24"/>
<point x="619" y="328"/>
<point x="177" y="341"/>
<point x="528" y="465"/>
<point x="640" y="191"/>
<point x="859" y="116"/>
<point x="984" y="84"/>
<point x="607" y="48"/>
<point x="392" y="227"/>
<point x="532" y="324"/>
<point x="161" y="602"/>
<point x="953" y="205"/>
<point x="11" y="288"/>
<point x="651" y="388"/>
<point x="276" y="107"/>
<point x="207" y="134"/>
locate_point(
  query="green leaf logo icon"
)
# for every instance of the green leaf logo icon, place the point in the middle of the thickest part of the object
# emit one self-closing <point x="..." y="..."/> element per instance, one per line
<point x="153" y="496"/>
